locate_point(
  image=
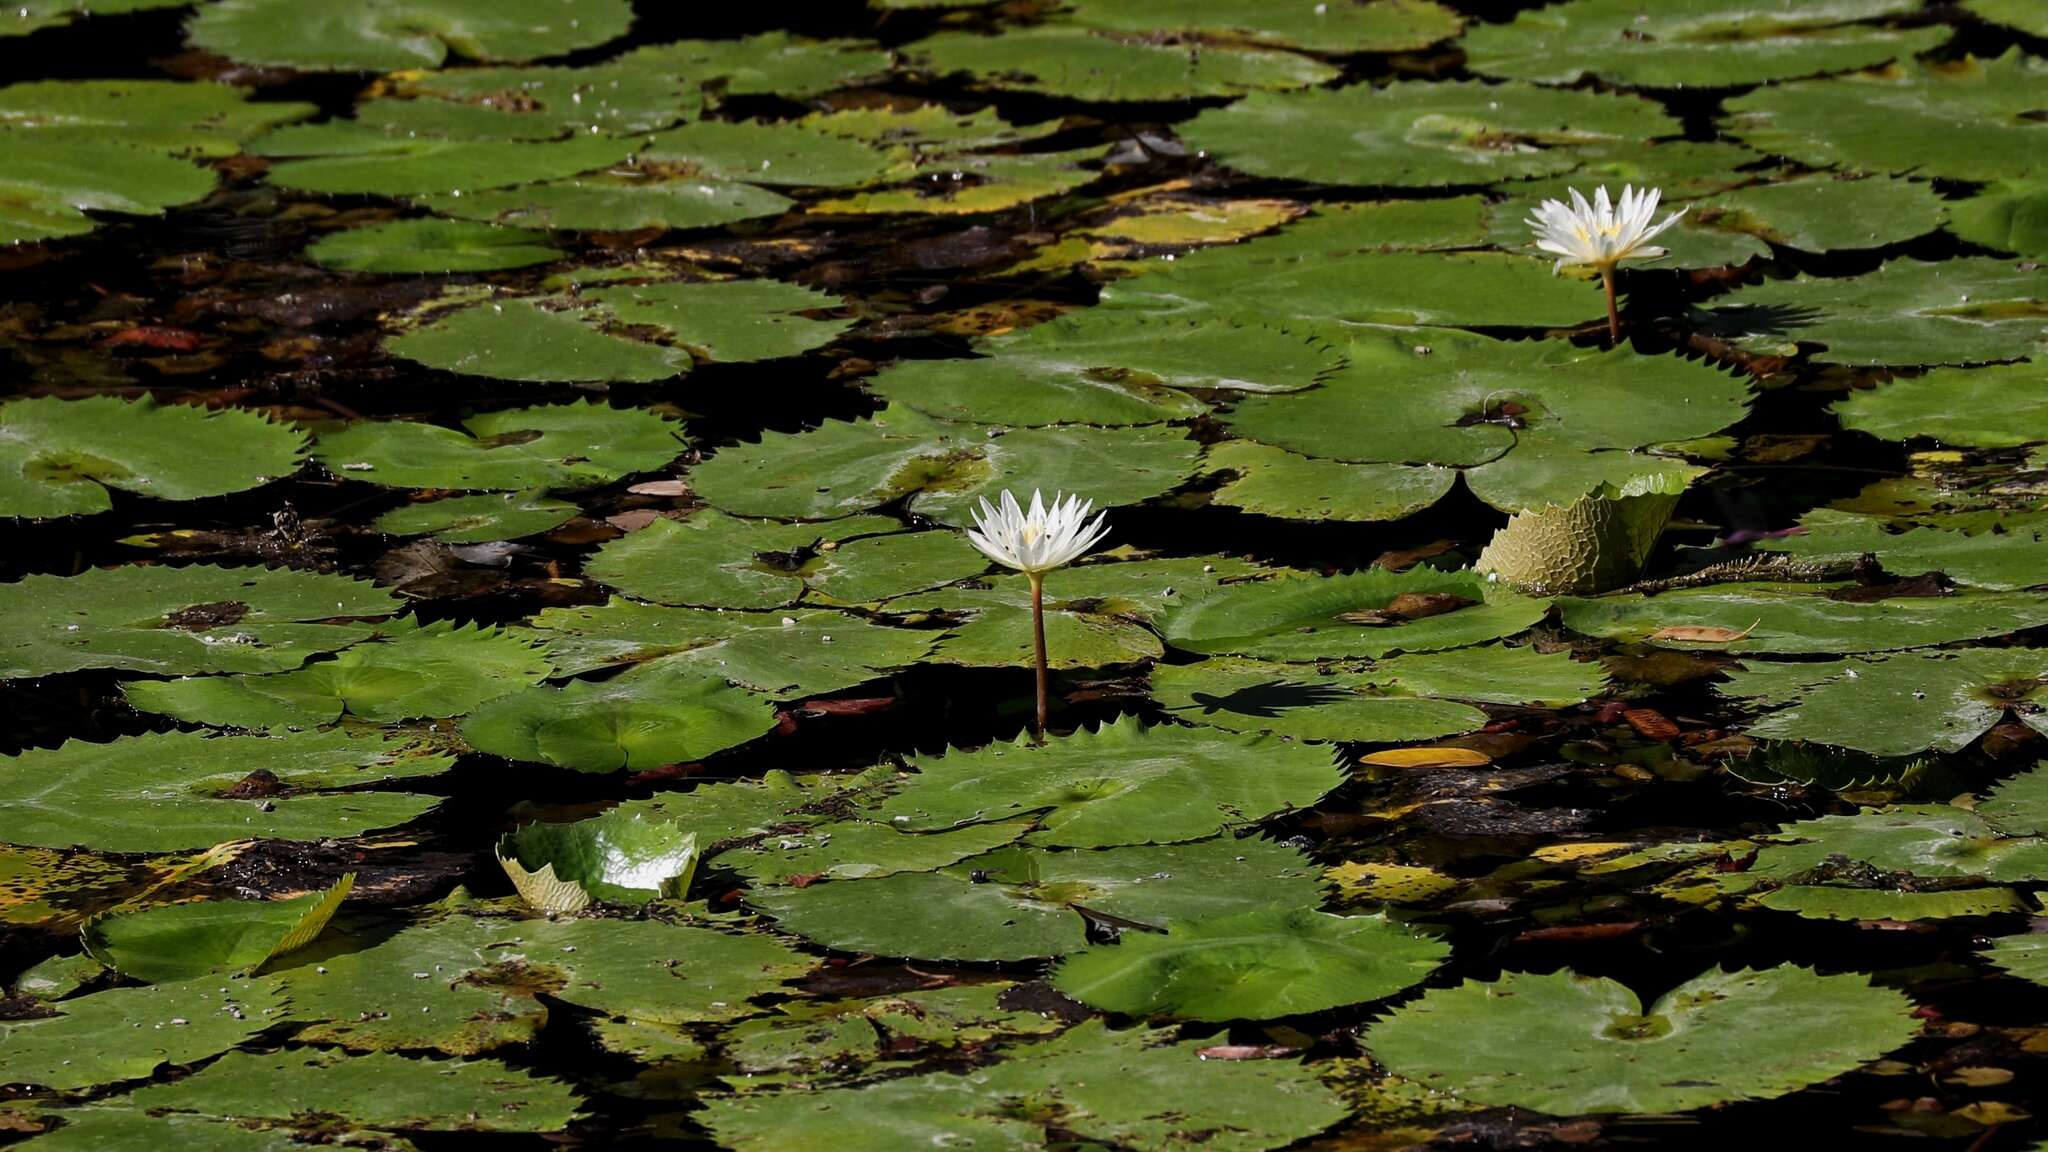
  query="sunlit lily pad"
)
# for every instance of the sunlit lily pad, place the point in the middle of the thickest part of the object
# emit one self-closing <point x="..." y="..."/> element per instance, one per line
<point x="1963" y="311"/>
<point x="127" y="1033"/>
<point x="1121" y="783"/>
<point x="845" y="467"/>
<point x="1895" y="705"/>
<point x="2000" y="560"/>
<point x="1824" y="212"/>
<point x="1797" y="619"/>
<point x="57" y="891"/>
<point x="432" y="246"/>
<point x="729" y="321"/>
<point x="799" y="853"/>
<point x="158" y="115"/>
<point x="378" y="1091"/>
<point x="1132" y="1089"/>
<point x="408" y="672"/>
<point x="60" y="457"/>
<point x="717" y="561"/>
<point x="2023" y="956"/>
<point x="172" y="791"/>
<point x="634" y="93"/>
<point x="383" y="35"/>
<point x="441" y="986"/>
<point x="478" y="519"/>
<point x="180" y="941"/>
<point x="48" y="185"/>
<point x="1018" y="903"/>
<point x="618" y="200"/>
<point x="1375" y="26"/>
<point x="1964" y="120"/>
<point x="643" y="718"/>
<point x="1060" y="60"/>
<point x="617" y="857"/>
<point x="1568" y="1044"/>
<point x="803" y="652"/>
<point x="580" y="444"/>
<point x="770" y="152"/>
<point x="200" y="618"/>
<point x="112" y="1128"/>
<point x="521" y="340"/>
<point x="1300" y="619"/>
<point x="2000" y="406"/>
<point x="36" y="15"/>
<point x="1417" y="134"/>
<point x="1253" y="966"/>
<point x="1275" y="482"/>
<point x="1716" y="44"/>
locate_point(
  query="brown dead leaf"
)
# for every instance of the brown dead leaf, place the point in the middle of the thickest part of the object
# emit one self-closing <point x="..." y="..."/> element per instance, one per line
<point x="660" y="488"/>
<point x="1702" y="634"/>
<point x="633" y="520"/>
<point x="1427" y="758"/>
<point x="1650" y="723"/>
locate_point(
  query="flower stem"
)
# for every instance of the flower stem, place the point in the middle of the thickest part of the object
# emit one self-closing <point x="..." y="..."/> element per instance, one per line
<point x="1038" y="639"/>
<point x="1613" y="316"/>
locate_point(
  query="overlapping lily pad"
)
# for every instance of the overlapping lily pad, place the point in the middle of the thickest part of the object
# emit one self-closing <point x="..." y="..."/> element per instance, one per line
<point x="1799" y="619"/>
<point x="580" y="444"/>
<point x="1416" y="134"/>
<point x="171" y="791"/>
<point x="1718" y="44"/>
<point x="1301" y="619"/>
<point x="60" y="457"/>
<point x="181" y="941"/>
<point x="1568" y="1044"/>
<point x="1076" y="63"/>
<point x="198" y="618"/>
<point x="384" y="35"/>
<point x="1965" y="311"/>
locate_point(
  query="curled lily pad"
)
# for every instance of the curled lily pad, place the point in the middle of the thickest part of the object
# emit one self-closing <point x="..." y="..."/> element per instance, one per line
<point x="641" y="719"/>
<point x="172" y="791"/>
<point x="432" y="246"/>
<point x="200" y="618"/>
<point x="1568" y="1044"/>
<point x="180" y="941"/>
<point x="1061" y="60"/>
<point x="619" y="857"/>
<point x="1018" y="903"/>
<point x="479" y="519"/>
<point x="1307" y="619"/>
<point x="385" y="35"/>
<point x="2000" y="406"/>
<point x="1716" y="44"/>
<point x="1417" y="134"/>
<point x="60" y="457"/>
<point x="1252" y="966"/>
<point x="128" y="1033"/>
<point x="1963" y="311"/>
<point x="807" y="653"/>
<point x="1168" y="784"/>
<point x="411" y="671"/>
<point x="378" y="1091"/>
<point x="558" y="446"/>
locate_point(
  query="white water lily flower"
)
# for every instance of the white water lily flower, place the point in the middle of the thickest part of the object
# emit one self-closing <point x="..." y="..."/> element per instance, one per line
<point x="1038" y="541"/>
<point x="1600" y="234"/>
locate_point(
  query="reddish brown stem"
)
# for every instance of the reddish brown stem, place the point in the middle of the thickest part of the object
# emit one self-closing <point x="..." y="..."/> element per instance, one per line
<point x="1038" y="639"/>
<point x="1613" y="315"/>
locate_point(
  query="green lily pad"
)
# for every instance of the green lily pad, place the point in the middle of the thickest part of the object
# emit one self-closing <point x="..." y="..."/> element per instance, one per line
<point x="640" y="719"/>
<point x="2010" y="216"/>
<point x="1825" y="212"/>
<point x="116" y="1129"/>
<point x="655" y="971"/>
<point x="173" y="791"/>
<point x="1932" y="841"/>
<point x="1292" y="701"/>
<point x="378" y="1091"/>
<point x="717" y="561"/>
<point x="2014" y="13"/>
<point x="1999" y="560"/>
<point x="819" y="1038"/>
<point x="617" y="857"/>
<point x="580" y="444"/>
<point x="844" y="467"/>
<point x="804" y="654"/>
<point x="1827" y="902"/>
<point x="1417" y="134"/>
<point x="1253" y="966"/>
<point x="128" y="1033"/>
<point x="970" y="183"/>
<point x="730" y="815"/>
<point x="2000" y="406"/>
<point x="619" y="200"/>
<point x="49" y="184"/>
<point x="633" y="94"/>
<point x="1120" y="783"/>
<point x="60" y="457"/>
<point x="1298" y="619"/>
<point x="1275" y="482"/>
<point x="1799" y="619"/>
<point x="1019" y="903"/>
<point x="1496" y="674"/>
<point x="431" y="245"/>
<point x="1060" y="60"/>
<point x="2019" y="806"/>
<point x="409" y="672"/>
<point x="181" y="941"/>
<point x="2023" y="956"/>
<point x="1568" y="1044"/>
<point x="1715" y="44"/>
<point x="1895" y="705"/>
<point x="859" y="850"/>
<point x="36" y="15"/>
<point x="170" y="621"/>
<point x="729" y="321"/>
<point x="1374" y="26"/>
<point x="447" y="986"/>
<point x="164" y="116"/>
<point x="385" y="35"/>
<point x="479" y="519"/>
<point x="778" y="153"/>
<point x="1103" y="367"/>
<point x="769" y="64"/>
<point x="1133" y="1089"/>
<point x="520" y="340"/>
<point x="349" y="158"/>
<point x="1963" y="311"/>
<point x="1966" y="120"/>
